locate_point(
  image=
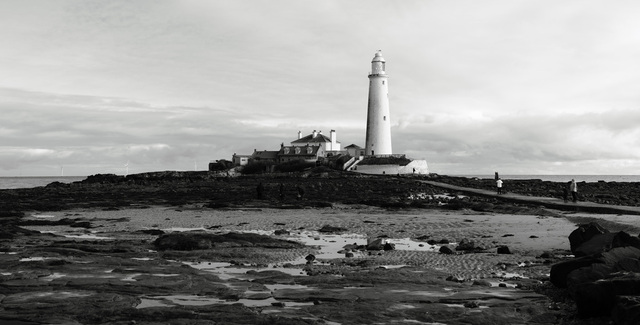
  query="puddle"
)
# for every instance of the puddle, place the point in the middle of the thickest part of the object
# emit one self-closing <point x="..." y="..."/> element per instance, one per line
<point x="192" y="300"/>
<point x="425" y="196"/>
<point x="506" y="285"/>
<point x="463" y="306"/>
<point x="511" y="276"/>
<point x="182" y="229"/>
<point x="330" y="246"/>
<point x="44" y="216"/>
<point x="333" y="245"/>
<point x="52" y="277"/>
<point x="226" y="271"/>
<point x="34" y="259"/>
<point x="87" y="236"/>
<point x="273" y="287"/>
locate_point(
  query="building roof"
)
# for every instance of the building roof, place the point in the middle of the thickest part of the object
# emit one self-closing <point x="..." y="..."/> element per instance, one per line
<point x="319" y="138"/>
<point x="355" y="146"/>
<point x="265" y="154"/>
<point x="293" y="151"/>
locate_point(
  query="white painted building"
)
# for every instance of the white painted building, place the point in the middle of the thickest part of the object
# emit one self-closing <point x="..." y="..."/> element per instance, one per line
<point x="329" y="144"/>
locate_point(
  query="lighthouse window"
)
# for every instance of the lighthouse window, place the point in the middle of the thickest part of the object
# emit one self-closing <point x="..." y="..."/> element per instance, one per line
<point x="384" y="118"/>
<point x="383" y="82"/>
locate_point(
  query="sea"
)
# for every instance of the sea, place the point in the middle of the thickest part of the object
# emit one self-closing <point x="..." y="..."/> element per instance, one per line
<point x="35" y="181"/>
<point x="565" y="178"/>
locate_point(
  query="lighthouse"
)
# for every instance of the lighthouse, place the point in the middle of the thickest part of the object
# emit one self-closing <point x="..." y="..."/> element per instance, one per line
<point x="378" y="140"/>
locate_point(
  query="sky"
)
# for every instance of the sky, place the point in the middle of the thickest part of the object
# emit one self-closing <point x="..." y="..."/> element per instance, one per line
<point x="519" y="87"/>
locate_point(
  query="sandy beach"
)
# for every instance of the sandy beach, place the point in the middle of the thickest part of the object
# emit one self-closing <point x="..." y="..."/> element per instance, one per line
<point x="527" y="236"/>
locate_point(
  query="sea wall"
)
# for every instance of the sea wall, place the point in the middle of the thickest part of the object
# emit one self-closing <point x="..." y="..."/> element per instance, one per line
<point x="414" y="167"/>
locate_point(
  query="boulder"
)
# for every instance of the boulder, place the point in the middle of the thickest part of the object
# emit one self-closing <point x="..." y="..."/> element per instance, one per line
<point x="446" y="250"/>
<point x="375" y="244"/>
<point x="310" y="258"/>
<point x="598" y="298"/>
<point x="197" y="241"/>
<point x="584" y="233"/>
<point x="389" y="246"/>
<point x="623" y="239"/>
<point x="598" y="243"/>
<point x="587" y="274"/>
<point x="466" y="245"/>
<point x="560" y="271"/>
<point x="504" y="250"/>
<point x="281" y="232"/>
<point x="626" y="310"/>
<point x="331" y="229"/>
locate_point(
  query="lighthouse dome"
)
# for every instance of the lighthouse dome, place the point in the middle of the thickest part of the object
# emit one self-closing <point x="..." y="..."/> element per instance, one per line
<point x="378" y="57"/>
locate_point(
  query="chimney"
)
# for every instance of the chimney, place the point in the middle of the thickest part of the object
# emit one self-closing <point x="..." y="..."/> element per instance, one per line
<point x="299" y="134"/>
<point x="332" y="137"/>
<point x="315" y="133"/>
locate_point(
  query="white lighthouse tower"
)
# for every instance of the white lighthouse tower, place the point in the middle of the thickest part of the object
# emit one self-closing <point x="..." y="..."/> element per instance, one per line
<point x="378" y="141"/>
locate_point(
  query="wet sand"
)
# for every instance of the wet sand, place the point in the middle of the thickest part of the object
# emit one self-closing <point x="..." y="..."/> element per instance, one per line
<point x="527" y="236"/>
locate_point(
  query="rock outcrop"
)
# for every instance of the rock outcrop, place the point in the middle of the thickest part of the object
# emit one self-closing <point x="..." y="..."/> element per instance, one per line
<point x="604" y="278"/>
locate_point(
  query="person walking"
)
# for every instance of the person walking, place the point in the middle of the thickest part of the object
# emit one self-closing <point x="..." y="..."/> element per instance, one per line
<point x="499" y="185"/>
<point x="573" y="188"/>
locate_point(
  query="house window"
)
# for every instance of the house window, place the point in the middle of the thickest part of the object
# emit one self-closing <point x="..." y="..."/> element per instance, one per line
<point x="286" y="151"/>
<point x="309" y="150"/>
<point x="297" y="150"/>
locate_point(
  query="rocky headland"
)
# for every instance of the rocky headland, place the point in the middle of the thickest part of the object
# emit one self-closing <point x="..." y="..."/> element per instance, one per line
<point x="201" y="248"/>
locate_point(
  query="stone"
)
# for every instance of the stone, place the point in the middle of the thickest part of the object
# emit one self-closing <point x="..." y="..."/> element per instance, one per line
<point x="456" y="278"/>
<point x="598" y="243"/>
<point x="560" y="271"/>
<point x="504" y="250"/>
<point x="598" y="298"/>
<point x="310" y="258"/>
<point x="589" y="273"/>
<point x="482" y="283"/>
<point x="584" y="233"/>
<point x="331" y="229"/>
<point x="375" y="244"/>
<point x="446" y="250"/>
<point x="623" y="239"/>
<point x="466" y="245"/>
<point x="626" y="310"/>
<point x="281" y="232"/>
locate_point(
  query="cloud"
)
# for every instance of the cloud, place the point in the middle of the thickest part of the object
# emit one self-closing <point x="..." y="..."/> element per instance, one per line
<point x="523" y="86"/>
